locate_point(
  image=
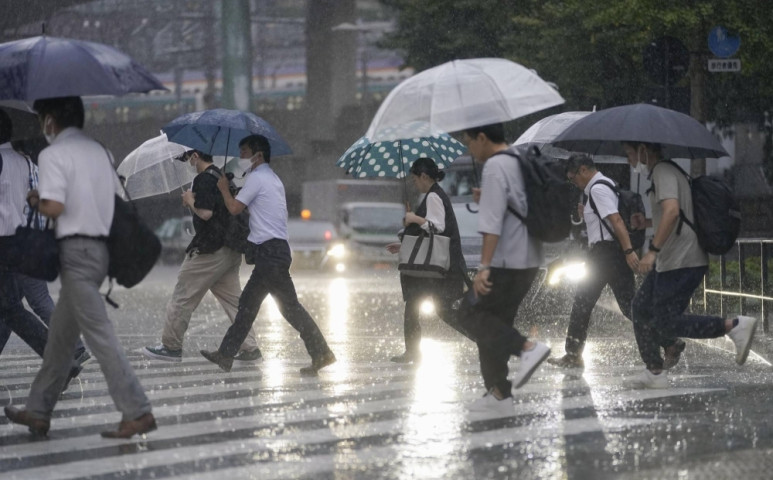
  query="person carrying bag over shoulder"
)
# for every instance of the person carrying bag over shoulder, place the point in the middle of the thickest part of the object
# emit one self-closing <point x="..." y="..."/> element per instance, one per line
<point x="434" y="219"/>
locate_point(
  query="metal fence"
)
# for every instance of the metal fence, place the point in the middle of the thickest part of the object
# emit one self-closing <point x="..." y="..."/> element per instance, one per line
<point x="738" y="282"/>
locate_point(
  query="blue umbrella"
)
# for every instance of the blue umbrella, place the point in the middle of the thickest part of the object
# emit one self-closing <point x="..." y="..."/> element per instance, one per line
<point x="393" y="158"/>
<point x="46" y="67"/>
<point x="219" y="131"/>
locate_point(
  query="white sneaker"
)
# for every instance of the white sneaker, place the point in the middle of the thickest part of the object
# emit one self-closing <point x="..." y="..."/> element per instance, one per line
<point x="530" y="360"/>
<point x="647" y="380"/>
<point x="491" y="404"/>
<point x="742" y="335"/>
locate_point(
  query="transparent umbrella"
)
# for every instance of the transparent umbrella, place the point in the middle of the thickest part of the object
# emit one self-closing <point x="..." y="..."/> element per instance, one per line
<point x="465" y="93"/>
<point x="151" y="168"/>
<point x="543" y="132"/>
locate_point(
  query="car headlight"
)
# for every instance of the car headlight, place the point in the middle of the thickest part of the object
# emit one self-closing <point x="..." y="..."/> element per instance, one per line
<point x="570" y="272"/>
<point x="337" y="251"/>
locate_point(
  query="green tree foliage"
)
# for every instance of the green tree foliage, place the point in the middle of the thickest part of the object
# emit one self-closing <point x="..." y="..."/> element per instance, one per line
<point x="593" y="48"/>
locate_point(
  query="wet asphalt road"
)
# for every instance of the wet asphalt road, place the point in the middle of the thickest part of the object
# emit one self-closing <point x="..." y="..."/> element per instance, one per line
<point x="365" y="417"/>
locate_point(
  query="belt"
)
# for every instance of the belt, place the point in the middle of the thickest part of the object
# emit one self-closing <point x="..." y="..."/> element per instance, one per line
<point x="99" y="238"/>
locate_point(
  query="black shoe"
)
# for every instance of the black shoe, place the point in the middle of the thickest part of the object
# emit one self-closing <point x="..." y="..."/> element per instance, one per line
<point x="217" y="358"/>
<point x="74" y="372"/>
<point x="82" y="357"/>
<point x="567" y="361"/>
<point x="249" y="355"/>
<point x="406" y="357"/>
<point x="672" y="354"/>
<point x="318" y="364"/>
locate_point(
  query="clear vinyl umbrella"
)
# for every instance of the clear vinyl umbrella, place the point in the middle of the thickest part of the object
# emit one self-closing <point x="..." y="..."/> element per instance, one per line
<point x="465" y="93"/>
<point x="543" y="132"/>
<point x="151" y="169"/>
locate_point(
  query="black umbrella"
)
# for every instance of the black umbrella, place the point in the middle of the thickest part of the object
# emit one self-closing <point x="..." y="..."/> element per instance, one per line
<point x="602" y="132"/>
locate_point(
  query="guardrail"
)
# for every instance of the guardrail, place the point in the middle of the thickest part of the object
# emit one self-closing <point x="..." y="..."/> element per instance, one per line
<point x="738" y="282"/>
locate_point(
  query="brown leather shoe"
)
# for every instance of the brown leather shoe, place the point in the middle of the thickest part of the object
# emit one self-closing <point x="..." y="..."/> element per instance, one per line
<point x="217" y="358"/>
<point x="318" y="364"/>
<point x="127" y="429"/>
<point x="38" y="426"/>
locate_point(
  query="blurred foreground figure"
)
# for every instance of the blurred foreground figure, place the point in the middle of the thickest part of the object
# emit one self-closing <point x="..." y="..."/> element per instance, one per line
<point x="77" y="188"/>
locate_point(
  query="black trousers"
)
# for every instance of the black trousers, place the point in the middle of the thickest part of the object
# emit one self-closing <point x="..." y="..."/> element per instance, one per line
<point x="15" y="317"/>
<point x="490" y="321"/>
<point x="658" y="310"/>
<point x="606" y="265"/>
<point x="271" y="274"/>
<point x="443" y="292"/>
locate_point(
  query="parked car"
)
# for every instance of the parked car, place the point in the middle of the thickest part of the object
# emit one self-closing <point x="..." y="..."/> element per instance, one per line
<point x="175" y="235"/>
<point x="314" y="243"/>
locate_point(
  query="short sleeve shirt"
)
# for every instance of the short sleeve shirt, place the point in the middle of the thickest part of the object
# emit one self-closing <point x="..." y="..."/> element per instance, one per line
<point x="502" y="185"/>
<point x="680" y="250"/>
<point x="605" y="200"/>
<point x="264" y="195"/>
<point x="77" y="171"/>
<point x="210" y="233"/>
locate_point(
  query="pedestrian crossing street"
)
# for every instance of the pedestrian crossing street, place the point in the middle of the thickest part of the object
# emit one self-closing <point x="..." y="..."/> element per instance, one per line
<point x="361" y="418"/>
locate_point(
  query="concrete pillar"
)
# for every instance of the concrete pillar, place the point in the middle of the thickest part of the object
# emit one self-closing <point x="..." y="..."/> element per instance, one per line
<point x="331" y="62"/>
<point x="237" y="54"/>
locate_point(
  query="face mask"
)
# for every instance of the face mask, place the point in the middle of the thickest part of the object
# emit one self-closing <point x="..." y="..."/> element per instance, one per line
<point x="641" y="167"/>
<point x="245" y="164"/>
<point x="49" y="136"/>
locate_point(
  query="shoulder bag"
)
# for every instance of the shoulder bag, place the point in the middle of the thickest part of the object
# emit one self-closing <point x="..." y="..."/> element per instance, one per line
<point x="425" y="255"/>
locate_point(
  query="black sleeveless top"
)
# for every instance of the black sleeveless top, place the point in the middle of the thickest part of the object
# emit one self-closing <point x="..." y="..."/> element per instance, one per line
<point x="458" y="265"/>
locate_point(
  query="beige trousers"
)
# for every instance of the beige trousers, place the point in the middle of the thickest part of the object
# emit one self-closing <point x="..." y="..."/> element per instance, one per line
<point x="217" y="272"/>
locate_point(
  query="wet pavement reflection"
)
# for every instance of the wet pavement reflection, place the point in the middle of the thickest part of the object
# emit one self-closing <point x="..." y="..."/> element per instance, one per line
<point x="365" y="417"/>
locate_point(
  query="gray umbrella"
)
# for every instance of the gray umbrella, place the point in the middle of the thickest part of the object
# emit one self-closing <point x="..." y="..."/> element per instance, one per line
<point x="602" y="132"/>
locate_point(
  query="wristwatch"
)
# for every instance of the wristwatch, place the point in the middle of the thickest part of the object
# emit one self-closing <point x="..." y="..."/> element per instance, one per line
<point x="629" y="251"/>
<point x="484" y="267"/>
<point x="653" y="248"/>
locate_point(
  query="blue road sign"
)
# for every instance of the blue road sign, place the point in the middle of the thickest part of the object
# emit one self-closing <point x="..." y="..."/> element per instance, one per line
<point x="723" y="44"/>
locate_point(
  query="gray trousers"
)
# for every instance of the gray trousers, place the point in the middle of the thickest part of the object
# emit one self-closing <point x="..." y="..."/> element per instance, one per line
<point x="216" y="272"/>
<point x="81" y="309"/>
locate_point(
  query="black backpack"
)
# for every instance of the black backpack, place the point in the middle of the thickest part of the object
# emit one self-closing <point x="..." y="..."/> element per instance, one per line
<point x="628" y="204"/>
<point x="237" y="226"/>
<point x="548" y="194"/>
<point x="717" y="216"/>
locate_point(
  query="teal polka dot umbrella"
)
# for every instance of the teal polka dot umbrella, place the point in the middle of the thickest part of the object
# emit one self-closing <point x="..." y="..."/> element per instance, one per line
<point x="393" y="158"/>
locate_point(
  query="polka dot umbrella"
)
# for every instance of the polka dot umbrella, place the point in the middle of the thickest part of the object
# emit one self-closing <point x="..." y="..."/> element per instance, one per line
<point x="393" y="158"/>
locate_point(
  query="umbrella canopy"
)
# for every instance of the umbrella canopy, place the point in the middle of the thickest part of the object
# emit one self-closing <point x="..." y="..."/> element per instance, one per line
<point x="545" y="131"/>
<point x="219" y="131"/>
<point x="151" y="168"/>
<point x="602" y="132"/>
<point x="393" y="158"/>
<point x="46" y="67"/>
<point x="465" y="93"/>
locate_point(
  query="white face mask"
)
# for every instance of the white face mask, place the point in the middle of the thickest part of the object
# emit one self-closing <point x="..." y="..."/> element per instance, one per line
<point x="245" y="164"/>
<point x="641" y="166"/>
<point x="49" y="136"/>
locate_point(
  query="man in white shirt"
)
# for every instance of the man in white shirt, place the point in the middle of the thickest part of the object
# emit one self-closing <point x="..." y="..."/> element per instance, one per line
<point x="510" y="259"/>
<point x="77" y="188"/>
<point x="611" y="260"/>
<point x="264" y="196"/>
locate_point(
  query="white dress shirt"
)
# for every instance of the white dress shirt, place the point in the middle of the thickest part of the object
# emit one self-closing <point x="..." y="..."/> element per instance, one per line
<point x="264" y="195"/>
<point x="436" y="213"/>
<point x="76" y="171"/>
<point x="606" y="202"/>
<point x="14" y="184"/>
